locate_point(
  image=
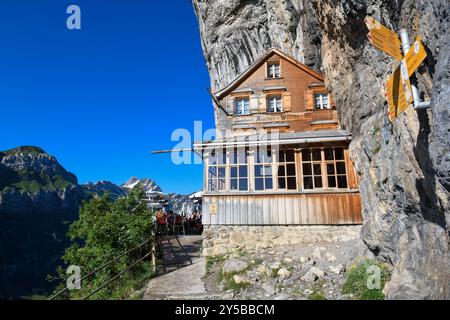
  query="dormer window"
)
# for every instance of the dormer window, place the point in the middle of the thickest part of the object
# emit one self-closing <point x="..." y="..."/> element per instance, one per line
<point x="241" y="106"/>
<point x="322" y="101"/>
<point x="274" y="104"/>
<point x="273" y="69"/>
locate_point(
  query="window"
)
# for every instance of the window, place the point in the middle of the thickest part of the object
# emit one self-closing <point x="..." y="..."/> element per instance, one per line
<point x="286" y="170"/>
<point x="312" y="168"/>
<point x="242" y="106"/>
<point x="263" y="170"/>
<point x="336" y="172"/>
<point x="216" y="171"/>
<point x="239" y="170"/>
<point x="317" y="160"/>
<point x="322" y="101"/>
<point x="274" y="104"/>
<point x="273" y="69"/>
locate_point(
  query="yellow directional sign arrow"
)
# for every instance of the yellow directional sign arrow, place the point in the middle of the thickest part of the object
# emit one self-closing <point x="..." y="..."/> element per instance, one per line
<point x="398" y="87"/>
<point x="415" y="56"/>
<point x="383" y="38"/>
<point x="398" y="93"/>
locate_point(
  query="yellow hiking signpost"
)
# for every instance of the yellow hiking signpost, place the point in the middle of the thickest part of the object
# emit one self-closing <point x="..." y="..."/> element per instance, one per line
<point x="383" y="38"/>
<point x="399" y="91"/>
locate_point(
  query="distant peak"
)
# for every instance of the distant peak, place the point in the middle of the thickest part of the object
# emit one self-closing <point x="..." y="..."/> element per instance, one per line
<point x="25" y="149"/>
<point x="147" y="184"/>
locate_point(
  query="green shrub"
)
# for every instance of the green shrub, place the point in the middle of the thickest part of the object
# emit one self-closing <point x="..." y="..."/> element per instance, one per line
<point x="105" y="230"/>
<point x="361" y="275"/>
<point x="317" y="296"/>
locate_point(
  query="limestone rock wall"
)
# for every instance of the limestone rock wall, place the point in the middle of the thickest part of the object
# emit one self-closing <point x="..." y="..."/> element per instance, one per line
<point x="405" y="166"/>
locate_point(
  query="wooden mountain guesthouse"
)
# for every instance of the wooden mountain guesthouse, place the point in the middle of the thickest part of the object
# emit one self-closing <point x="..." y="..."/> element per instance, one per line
<point x="280" y="157"/>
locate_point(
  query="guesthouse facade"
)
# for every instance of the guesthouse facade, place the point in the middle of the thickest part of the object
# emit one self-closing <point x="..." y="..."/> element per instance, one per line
<point x="280" y="156"/>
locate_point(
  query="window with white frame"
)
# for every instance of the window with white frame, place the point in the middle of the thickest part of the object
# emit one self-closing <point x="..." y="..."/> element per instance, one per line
<point x="263" y="169"/>
<point x="322" y="101"/>
<point x="274" y="104"/>
<point x="239" y="170"/>
<point x="287" y="178"/>
<point x="242" y="106"/>
<point x="217" y="171"/>
<point x="273" y="69"/>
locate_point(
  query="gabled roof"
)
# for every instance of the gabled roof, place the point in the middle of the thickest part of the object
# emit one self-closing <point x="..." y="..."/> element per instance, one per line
<point x="255" y="65"/>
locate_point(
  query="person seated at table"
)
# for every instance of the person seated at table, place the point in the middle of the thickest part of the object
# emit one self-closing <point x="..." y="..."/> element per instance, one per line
<point x="161" y="217"/>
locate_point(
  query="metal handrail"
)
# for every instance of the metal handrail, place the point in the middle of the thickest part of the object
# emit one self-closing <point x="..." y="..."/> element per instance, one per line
<point x="101" y="268"/>
<point x="116" y="276"/>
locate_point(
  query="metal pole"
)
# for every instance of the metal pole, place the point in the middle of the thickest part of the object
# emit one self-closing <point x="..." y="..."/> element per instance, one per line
<point x="406" y="46"/>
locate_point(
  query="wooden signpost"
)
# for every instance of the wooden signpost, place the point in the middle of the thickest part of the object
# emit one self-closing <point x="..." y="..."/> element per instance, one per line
<point x="399" y="92"/>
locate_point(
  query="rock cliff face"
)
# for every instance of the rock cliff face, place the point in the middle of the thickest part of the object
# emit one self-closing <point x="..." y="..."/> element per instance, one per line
<point x="404" y="167"/>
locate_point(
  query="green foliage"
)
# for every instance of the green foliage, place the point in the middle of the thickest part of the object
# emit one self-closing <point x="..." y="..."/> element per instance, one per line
<point x="227" y="279"/>
<point x="104" y="231"/>
<point x="356" y="282"/>
<point x="317" y="295"/>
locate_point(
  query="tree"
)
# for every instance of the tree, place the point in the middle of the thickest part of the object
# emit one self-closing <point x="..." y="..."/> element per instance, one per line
<point x="104" y="231"/>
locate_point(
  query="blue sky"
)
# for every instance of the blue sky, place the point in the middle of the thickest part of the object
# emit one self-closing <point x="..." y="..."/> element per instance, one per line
<point x="100" y="98"/>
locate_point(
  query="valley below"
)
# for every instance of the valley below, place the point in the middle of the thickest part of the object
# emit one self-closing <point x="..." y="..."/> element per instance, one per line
<point x="39" y="199"/>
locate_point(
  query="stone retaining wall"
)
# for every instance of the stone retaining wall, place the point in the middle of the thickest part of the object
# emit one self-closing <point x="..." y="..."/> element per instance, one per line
<point x="219" y="240"/>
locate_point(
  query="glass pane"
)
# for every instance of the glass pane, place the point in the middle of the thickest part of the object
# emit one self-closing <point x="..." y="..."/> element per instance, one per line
<point x="330" y="168"/>
<point x="242" y="171"/>
<point x="234" y="184"/>
<point x="279" y="105"/>
<point x="221" y="172"/>
<point x="212" y="172"/>
<point x="281" y="183"/>
<point x="221" y="184"/>
<point x="290" y="156"/>
<point x="317" y="170"/>
<point x="306" y="155"/>
<point x="329" y="154"/>
<point x="269" y="184"/>
<point x="307" y="169"/>
<point x="213" y="159"/>
<point x="233" y="172"/>
<point x="308" y="183"/>
<point x="258" y="171"/>
<point x="339" y="153"/>
<point x="281" y="170"/>
<point x="233" y="157"/>
<point x="281" y="157"/>
<point x="222" y="158"/>
<point x="291" y="183"/>
<point x="243" y="184"/>
<point x="331" y="182"/>
<point x="340" y="167"/>
<point x="342" y="181"/>
<point x="268" y="171"/>
<point x="317" y="155"/>
<point x="290" y="168"/>
<point x="271" y="105"/>
<point x="211" y="185"/>
<point x="264" y="156"/>
<point x="259" y="184"/>
<point x="242" y="156"/>
<point x="318" y="182"/>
